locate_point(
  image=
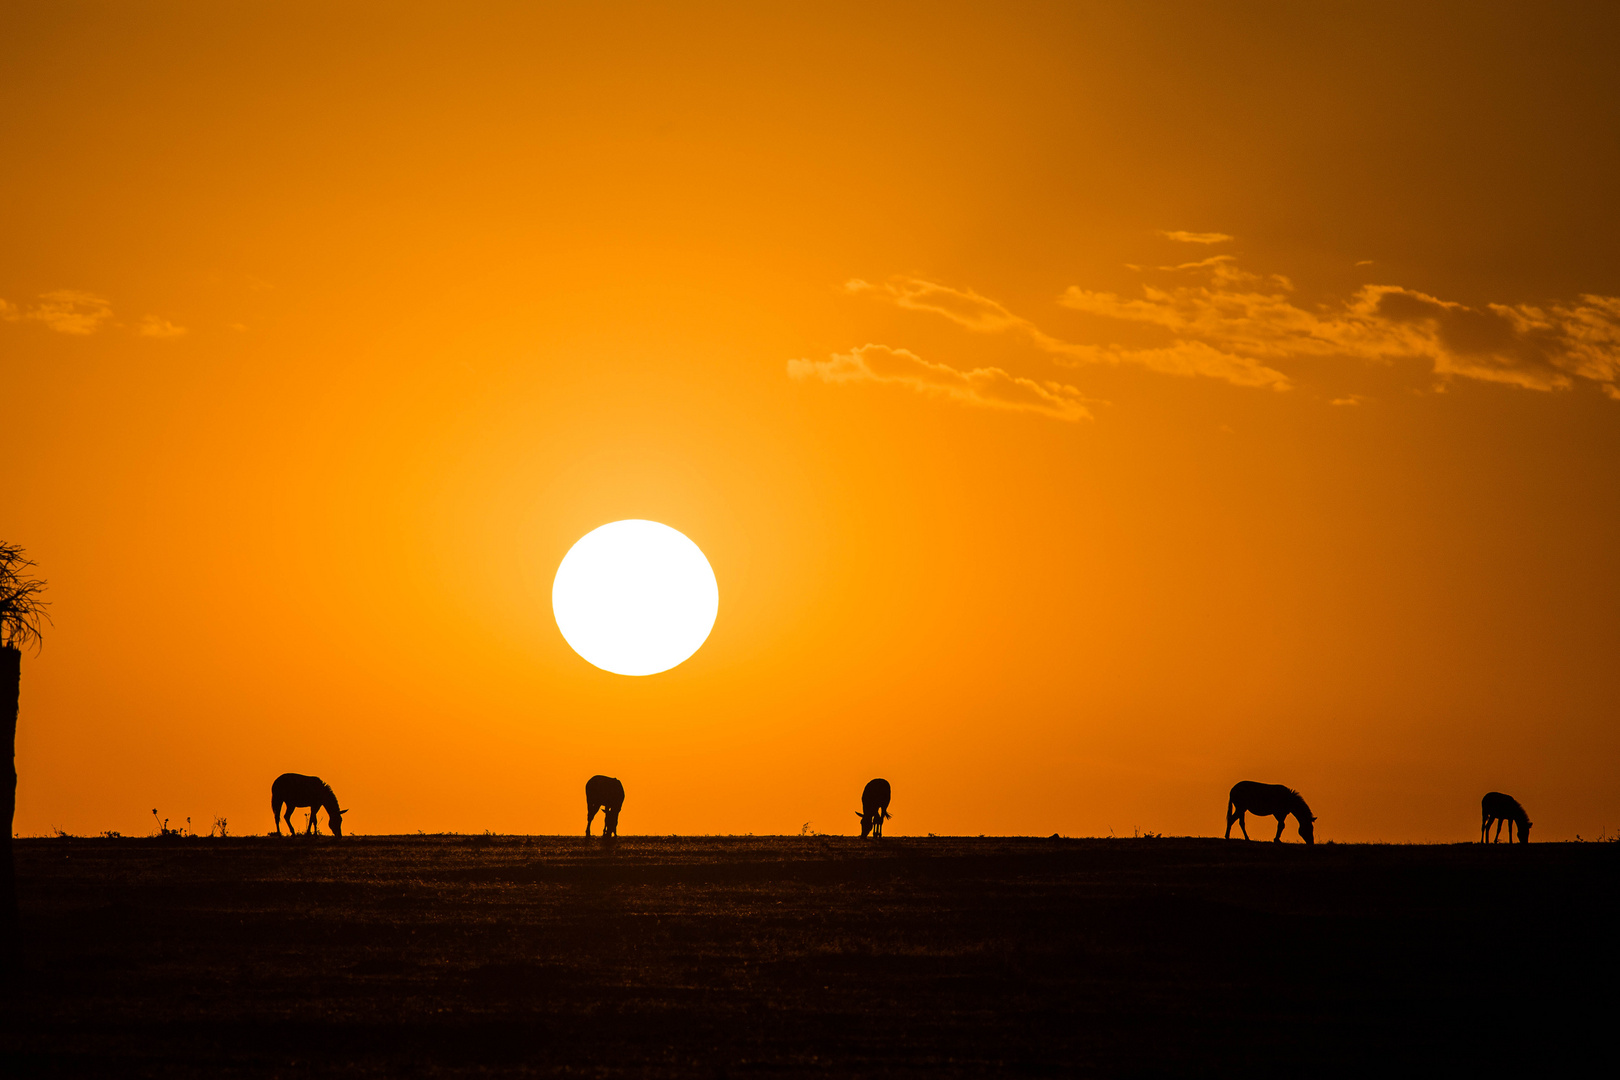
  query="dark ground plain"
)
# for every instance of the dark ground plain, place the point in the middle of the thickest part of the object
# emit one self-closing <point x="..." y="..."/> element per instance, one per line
<point x="461" y="955"/>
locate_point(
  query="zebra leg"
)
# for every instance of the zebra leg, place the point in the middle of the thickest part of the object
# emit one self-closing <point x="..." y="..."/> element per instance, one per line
<point x="1243" y="823"/>
<point x="1282" y="819"/>
<point x="590" y="816"/>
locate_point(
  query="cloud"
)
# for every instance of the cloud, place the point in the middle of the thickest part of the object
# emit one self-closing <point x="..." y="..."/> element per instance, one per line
<point x="154" y="327"/>
<point x="1224" y="322"/>
<point x="1182" y="237"/>
<point x="988" y="387"/>
<point x="71" y="311"/>
<point x="1245" y="315"/>
<point x="67" y="311"/>
<point x="980" y="314"/>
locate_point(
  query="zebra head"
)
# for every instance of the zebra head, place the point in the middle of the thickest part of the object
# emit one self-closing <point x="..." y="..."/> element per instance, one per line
<point x="1307" y="828"/>
<point x="867" y="821"/>
<point x="334" y="818"/>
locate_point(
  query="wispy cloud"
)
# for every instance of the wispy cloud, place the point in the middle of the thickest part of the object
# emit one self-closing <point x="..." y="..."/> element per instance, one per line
<point x="980" y="314"/>
<point x="1544" y="347"/>
<point x="67" y="311"/>
<point x="72" y="311"/>
<point x="155" y="327"/>
<point x="1183" y="237"/>
<point x="987" y="387"/>
<point x="1226" y="323"/>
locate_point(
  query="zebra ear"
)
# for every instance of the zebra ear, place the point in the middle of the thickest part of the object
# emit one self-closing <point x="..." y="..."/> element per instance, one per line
<point x="859" y="814"/>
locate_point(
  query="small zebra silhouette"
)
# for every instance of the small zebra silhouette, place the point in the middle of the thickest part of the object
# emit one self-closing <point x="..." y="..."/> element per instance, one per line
<point x="1502" y="809"/>
<point x="1269" y="800"/>
<point x="874" y="807"/>
<point x="607" y="794"/>
<point x="292" y="791"/>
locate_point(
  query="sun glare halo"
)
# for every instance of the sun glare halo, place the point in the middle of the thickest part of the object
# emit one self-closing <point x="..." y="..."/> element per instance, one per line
<point x="635" y="597"/>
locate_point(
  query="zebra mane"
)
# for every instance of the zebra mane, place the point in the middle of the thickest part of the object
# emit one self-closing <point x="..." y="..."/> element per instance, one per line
<point x="1299" y="800"/>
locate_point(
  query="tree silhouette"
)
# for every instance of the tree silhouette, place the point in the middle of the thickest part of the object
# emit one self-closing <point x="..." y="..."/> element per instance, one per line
<point x="21" y="611"/>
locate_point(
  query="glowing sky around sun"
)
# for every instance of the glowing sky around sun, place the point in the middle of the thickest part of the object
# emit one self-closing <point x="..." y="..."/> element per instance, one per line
<point x="1084" y="407"/>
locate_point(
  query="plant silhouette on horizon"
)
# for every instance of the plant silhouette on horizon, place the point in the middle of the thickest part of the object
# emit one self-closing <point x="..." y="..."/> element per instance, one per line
<point x="21" y="614"/>
<point x="166" y="833"/>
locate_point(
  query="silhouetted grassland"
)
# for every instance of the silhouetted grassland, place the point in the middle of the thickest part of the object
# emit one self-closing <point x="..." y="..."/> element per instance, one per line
<point x="654" y="956"/>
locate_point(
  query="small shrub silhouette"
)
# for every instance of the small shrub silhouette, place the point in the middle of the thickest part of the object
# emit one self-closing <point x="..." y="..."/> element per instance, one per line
<point x="164" y="832"/>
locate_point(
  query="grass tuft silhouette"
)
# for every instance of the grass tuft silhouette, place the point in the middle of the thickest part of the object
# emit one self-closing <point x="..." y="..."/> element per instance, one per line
<point x="166" y="833"/>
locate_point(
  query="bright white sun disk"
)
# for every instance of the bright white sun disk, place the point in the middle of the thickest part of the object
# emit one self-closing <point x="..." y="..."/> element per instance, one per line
<point x="635" y="597"/>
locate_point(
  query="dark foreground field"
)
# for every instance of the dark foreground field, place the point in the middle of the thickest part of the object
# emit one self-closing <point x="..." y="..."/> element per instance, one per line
<point x="741" y="956"/>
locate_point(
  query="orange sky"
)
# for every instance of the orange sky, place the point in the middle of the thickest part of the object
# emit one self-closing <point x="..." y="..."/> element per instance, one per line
<point x="1082" y="407"/>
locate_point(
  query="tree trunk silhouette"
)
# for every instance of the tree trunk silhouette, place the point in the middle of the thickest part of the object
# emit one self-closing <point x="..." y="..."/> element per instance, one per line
<point x="10" y="686"/>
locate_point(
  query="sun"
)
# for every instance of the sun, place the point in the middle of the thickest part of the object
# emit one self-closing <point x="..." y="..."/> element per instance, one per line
<point x="635" y="597"/>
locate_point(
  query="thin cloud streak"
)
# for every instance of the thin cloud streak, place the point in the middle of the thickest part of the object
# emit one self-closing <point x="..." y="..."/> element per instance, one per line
<point x="1535" y="347"/>
<point x="988" y="387"/>
<point x="982" y="315"/>
<point x="154" y="327"/>
<point x="67" y="311"/>
<point x="1181" y="236"/>
<point x="79" y="313"/>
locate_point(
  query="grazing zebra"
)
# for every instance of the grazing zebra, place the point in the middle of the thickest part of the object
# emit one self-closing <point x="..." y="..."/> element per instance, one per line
<point x="607" y="794"/>
<point x="874" y="807"/>
<point x="292" y="791"/>
<point x="1502" y="809"/>
<point x="1268" y="800"/>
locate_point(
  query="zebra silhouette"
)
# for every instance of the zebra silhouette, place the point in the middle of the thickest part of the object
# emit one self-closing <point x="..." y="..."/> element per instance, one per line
<point x="606" y="794"/>
<point x="1501" y="810"/>
<point x="292" y="791"/>
<point x="1268" y="800"/>
<point x="874" y="807"/>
